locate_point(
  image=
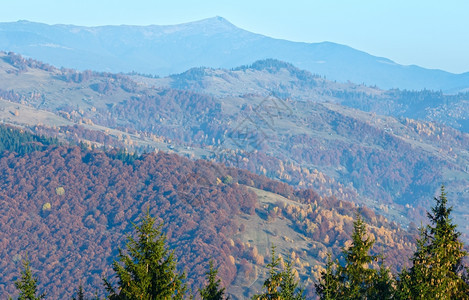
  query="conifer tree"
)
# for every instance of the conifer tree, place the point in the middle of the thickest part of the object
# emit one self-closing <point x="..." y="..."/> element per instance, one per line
<point x="446" y="250"/>
<point x="404" y="285"/>
<point x="437" y="262"/>
<point x="328" y="286"/>
<point x="212" y="291"/>
<point x="27" y="284"/>
<point x="80" y="294"/>
<point x="356" y="276"/>
<point x="289" y="286"/>
<point x="272" y="283"/>
<point x="356" y="279"/>
<point x="383" y="286"/>
<point x="281" y="284"/>
<point x="412" y="284"/>
<point x="147" y="270"/>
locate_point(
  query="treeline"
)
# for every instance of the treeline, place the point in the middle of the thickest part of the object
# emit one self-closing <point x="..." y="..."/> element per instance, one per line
<point x="197" y="119"/>
<point x="23" y="141"/>
<point x="22" y="63"/>
<point x="146" y="269"/>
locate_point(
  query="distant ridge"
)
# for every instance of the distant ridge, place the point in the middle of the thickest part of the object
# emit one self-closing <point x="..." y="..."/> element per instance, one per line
<point x="213" y="42"/>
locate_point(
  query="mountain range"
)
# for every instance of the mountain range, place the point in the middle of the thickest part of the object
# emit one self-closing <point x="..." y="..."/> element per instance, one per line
<point x="214" y="42"/>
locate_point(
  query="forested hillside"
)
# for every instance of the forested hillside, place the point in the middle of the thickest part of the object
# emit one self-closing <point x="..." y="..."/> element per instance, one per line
<point x="269" y="118"/>
<point x="68" y="209"/>
<point x="286" y="81"/>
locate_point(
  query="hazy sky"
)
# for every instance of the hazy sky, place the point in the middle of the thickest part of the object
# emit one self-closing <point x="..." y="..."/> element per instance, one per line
<point x="432" y="34"/>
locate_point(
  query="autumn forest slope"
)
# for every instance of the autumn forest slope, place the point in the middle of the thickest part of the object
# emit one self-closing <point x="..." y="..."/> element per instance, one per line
<point x="69" y="209"/>
<point x="269" y="118"/>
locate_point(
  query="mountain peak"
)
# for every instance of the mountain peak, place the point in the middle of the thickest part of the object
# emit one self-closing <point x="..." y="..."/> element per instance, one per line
<point x="214" y="23"/>
<point x="220" y="20"/>
<point x="217" y="20"/>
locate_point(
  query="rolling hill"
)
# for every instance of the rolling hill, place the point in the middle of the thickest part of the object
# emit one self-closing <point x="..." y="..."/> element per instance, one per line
<point x="287" y="124"/>
<point x="283" y="80"/>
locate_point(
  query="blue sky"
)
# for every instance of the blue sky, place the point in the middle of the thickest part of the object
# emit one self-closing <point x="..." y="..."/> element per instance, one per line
<point x="432" y="34"/>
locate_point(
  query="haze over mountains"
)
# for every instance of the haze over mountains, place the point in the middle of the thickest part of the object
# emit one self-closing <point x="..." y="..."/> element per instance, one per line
<point x="321" y="148"/>
<point x="287" y="81"/>
<point x="214" y="42"/>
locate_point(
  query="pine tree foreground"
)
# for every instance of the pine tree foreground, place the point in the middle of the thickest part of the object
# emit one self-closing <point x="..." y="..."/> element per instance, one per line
<point x="281" y="284"/>
<point x="356" y="279"/>
<point x="148" y="270"/>
<point x="437" y="269"/>
<point x="212" y="291"/>
<point x="27" y="285"/>
<point x="81" y="294"/>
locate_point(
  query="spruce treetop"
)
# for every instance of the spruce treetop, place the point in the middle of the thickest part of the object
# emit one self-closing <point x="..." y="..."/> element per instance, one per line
<point x="212" y="291"/>
<point x="27" y="284"/>
<point x="147" y="269"/>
